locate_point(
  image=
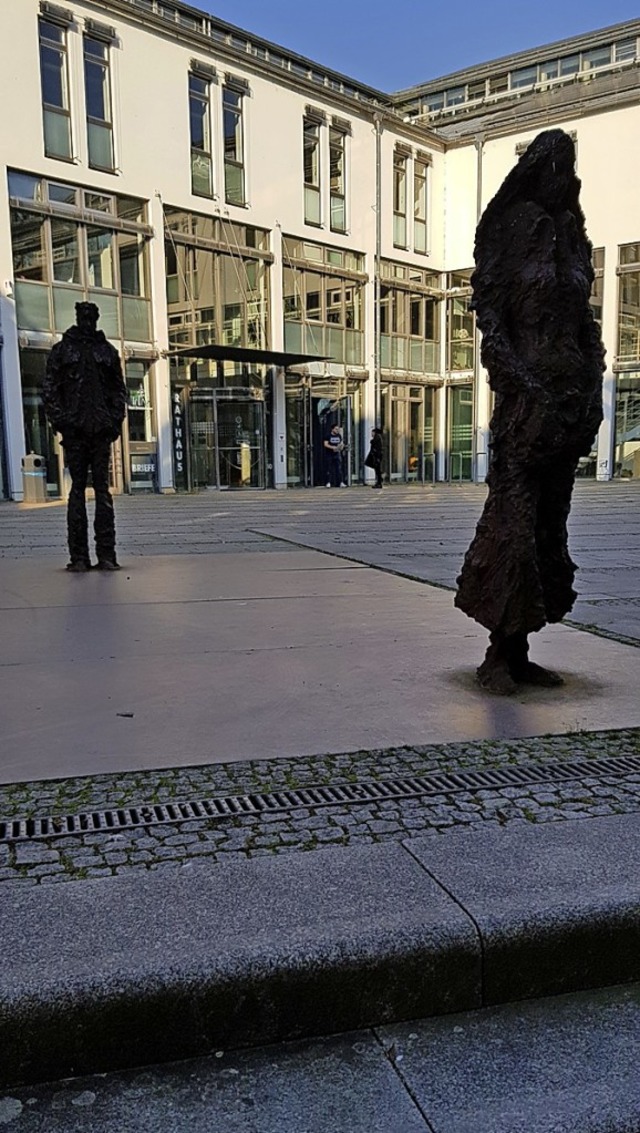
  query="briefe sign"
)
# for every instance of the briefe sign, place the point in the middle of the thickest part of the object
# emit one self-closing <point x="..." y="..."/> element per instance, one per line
<point x="143" y="471"/>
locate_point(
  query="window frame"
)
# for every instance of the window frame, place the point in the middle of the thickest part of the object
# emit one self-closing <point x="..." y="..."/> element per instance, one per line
<point x="63" y="111"/>
<point x="234" y="167"/>
<point x="102" y="63"/>
<point x="201" y="98"/>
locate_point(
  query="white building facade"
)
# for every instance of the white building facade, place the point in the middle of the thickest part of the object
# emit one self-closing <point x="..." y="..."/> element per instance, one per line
<point x="308" y="240"/>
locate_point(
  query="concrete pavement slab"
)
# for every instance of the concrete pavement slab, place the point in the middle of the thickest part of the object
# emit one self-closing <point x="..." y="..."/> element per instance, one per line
<point x="135" y="969"/>
<point x="557" y="905"/>
<point x="562" y="1065"/>
<point x="189" y="659"/>
<point x="334" y="1085"/>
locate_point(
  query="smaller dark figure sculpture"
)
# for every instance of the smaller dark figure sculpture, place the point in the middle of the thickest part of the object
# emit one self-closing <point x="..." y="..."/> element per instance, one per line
<point x="85" y="400"/>
<point x="375" y="456"/>
<point x="543" y="351"/>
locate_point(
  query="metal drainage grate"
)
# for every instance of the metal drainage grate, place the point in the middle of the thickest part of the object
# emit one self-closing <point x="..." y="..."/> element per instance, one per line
<point x="114" y="819"/>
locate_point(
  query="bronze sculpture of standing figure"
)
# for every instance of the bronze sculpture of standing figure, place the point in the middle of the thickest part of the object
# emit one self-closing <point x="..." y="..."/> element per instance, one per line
<point x="544" y="354"/>
<point x="85" y="399"/>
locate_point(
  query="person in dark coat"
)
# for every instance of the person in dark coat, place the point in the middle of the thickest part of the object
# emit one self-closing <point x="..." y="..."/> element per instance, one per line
<point x="375" y="456"/>
<point x="544" y="354"/>
<point x="85" y="399"/>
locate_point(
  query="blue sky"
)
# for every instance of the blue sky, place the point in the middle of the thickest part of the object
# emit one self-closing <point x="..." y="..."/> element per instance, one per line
<point x="390" y="44"/>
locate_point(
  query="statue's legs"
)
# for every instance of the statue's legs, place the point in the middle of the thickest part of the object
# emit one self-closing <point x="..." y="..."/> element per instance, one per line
<point x="104" y="525"/>
<point x="507" y="665"/>
<point x="77" y="458"/>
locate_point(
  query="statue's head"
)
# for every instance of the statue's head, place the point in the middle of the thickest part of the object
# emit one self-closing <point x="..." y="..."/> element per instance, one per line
<point x="547" y="169"/>
<point x="87" y="315"/>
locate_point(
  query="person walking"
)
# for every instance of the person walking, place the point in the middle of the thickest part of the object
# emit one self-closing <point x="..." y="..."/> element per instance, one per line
<point x="374" y="456"/>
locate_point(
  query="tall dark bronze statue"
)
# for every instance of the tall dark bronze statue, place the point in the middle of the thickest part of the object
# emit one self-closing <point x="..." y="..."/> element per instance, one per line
<point x="85" y="400"/>
<point x="544" y="354"/>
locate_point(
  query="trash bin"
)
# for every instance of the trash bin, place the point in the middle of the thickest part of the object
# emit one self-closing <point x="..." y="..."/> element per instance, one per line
<point x="34" y="478"/>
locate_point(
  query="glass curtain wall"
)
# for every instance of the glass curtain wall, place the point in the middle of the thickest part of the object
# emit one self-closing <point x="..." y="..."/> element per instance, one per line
<point x="71" y="245"/>
<point x="323" y="301"/>
<point x="410" y="306"/>
<point x="460" y="322"/>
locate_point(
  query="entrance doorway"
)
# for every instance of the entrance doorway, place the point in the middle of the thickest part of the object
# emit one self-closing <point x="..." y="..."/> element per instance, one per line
<point x="227" y="439"/>
<point x="409" y="429"/>
<point x="460" y="412"/>
<point x="311" y="413"/>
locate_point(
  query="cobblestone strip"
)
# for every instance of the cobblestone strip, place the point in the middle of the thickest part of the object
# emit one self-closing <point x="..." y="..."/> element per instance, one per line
<point x="176" y="846"/>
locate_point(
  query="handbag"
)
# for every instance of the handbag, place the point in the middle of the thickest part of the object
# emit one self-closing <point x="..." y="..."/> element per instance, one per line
<point x="369" y="460"/>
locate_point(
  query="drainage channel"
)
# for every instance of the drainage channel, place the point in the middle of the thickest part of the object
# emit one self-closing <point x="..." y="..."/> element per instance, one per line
<point x="113" y="819"/>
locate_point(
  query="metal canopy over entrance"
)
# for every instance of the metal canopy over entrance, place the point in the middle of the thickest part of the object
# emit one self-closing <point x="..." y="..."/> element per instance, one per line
<point x="215" y="352"/>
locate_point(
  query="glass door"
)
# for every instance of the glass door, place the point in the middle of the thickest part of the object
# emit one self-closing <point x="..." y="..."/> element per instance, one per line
<point x="460" y="432"/>
<point x="627" y="452"/>
<point x="298" y="430"/>
<point x="241" y="438"/>
<point x="202" y="422"/>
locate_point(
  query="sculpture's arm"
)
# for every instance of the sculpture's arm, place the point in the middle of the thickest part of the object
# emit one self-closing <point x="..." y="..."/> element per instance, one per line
<point x="51" y="391"/>
<point x="116" y="394"/>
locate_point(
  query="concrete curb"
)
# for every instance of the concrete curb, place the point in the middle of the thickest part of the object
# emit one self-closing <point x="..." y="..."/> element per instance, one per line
<point x="143" y="968"/>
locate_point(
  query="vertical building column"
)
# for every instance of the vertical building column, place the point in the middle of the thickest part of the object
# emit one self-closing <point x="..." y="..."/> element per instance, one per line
<point x="162" y="392"/>
<point x="276" y="326"/>
<point x="12" y="412"/>
<point x="605" y="466"/>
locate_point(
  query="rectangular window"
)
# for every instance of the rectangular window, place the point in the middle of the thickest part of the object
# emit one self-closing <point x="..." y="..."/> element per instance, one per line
<point x="624" y="50"/>
<point x="97" y="84"/>
<point x="399" y="200"/>
<point x="570" y="65"/>
<point x="100" y="258"/>
<point x="311" y="158"/>
<point x="420" y="206"/>
<point x="598" y="57"/>
<point x="55" y="90"/>
<point x="232" y="107"/>
<point x="524" y="77"/>
<point x="337" y="157"/>
<point x="455" y="96"/>
<point x="200" y="132"/>
<point x="597" y="288"/>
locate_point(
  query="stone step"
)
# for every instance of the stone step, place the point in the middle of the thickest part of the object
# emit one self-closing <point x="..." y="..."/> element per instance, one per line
<point x="144" y="968"/>
<point x="562" y="1065"/>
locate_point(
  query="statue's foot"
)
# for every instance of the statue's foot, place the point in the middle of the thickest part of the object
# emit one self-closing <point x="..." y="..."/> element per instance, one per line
<point x="79" y="566"/>
<point x="107" y="564"/>
<point x="532" y="674"/>
<point x="495" y="677"/>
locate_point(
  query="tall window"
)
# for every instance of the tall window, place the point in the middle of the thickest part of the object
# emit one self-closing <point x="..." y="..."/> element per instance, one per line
<point x="410" y="319"/>
<point x="460" y="322"/>
<point x="420" y="206"/>
<point x="200" y="128"/>
<point x="311" y="142"/>
<point x="337" y="156"/>
<point x="629" y="303"/>
<point x="55" y="90"/>
<point x="234" y="188"/>
<point x="97" y="85"/>
<point x="72" y="244"/>
<point x="323" y="309"/>
<point x="597" y="287"/>
<point x="399" y="199"/>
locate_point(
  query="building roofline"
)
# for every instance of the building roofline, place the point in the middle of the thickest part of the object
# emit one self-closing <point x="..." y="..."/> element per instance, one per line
<point x="519" y="58"/>
<point x="148" y="13"/>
